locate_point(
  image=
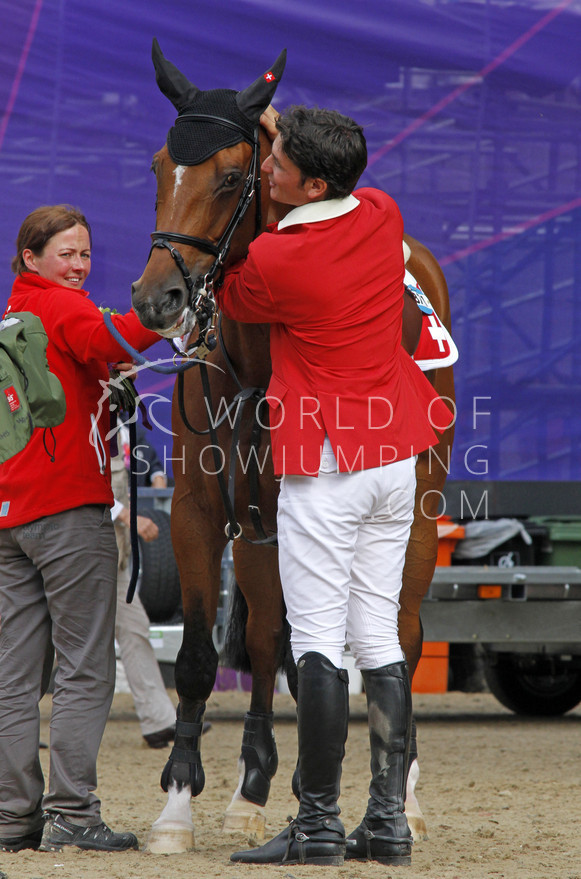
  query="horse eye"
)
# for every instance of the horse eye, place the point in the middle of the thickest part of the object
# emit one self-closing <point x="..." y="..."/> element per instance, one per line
<point x="232" y="179"/>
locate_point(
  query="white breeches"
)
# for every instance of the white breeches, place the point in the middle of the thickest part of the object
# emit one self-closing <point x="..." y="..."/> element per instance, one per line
<point x="342" y="543"/>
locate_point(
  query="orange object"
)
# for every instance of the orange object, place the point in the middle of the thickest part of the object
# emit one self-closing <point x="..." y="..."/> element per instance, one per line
<point x="449" y="533"/>
<point x="487" y="590"/>
<point x="432" y="672"/>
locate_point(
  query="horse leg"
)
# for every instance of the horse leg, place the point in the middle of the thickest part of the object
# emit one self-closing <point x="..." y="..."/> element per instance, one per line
<point x="418" y="571"/>
<point x="257" y="577"/>
<point x="196" y="666"/>
<point x="417" y="575"/>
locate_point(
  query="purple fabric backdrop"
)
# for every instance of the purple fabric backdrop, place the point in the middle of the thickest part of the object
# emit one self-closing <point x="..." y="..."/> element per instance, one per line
<point x="472" y="112"/>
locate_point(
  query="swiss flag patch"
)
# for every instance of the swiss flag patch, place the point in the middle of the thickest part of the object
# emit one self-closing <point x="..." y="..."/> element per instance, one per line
<point x="436" y="348"/>
<point x="12" y="397"/>
<point x="269" y="77"/>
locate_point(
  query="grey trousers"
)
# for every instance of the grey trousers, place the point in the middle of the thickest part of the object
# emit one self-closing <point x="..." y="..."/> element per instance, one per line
<point x="153" y="706"/>
<point x="57" y="582"/>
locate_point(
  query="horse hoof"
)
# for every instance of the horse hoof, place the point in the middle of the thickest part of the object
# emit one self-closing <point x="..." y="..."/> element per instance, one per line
<point x="249" y="822"/>
<point x="170" y="839"/>
<point x="418" y="827"/>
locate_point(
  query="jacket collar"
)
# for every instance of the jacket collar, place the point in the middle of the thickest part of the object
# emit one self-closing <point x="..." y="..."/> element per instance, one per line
<point x="317" y="211"/>
<point x="25" y="280"/>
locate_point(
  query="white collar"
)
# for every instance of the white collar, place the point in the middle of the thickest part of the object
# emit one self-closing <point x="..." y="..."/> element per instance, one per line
<point x="317" y="211"/>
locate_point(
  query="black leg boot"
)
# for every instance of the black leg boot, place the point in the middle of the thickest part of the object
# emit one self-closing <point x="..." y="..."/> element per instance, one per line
<point x="384" y="835"/>
<point x="316" y="836"/>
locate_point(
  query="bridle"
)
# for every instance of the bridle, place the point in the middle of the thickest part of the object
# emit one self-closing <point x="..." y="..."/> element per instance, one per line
<point x="201" y="296"/>
<point x="203" y="304"/>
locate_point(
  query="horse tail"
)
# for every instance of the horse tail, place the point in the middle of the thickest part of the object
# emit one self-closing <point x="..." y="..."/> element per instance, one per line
<point x="235" y="653"/>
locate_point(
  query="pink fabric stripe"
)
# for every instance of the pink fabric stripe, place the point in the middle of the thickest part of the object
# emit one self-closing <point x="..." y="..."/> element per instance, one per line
<point x="510" y="233"/>
<point x="492" y="65"/>
<point x="20" y="70"/>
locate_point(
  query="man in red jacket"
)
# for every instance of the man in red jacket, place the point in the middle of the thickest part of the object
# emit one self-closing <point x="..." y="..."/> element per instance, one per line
<point x="349" y="412"/>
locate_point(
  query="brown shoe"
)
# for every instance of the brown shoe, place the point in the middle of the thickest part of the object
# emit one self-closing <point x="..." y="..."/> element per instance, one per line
<point x="163" y="737"/>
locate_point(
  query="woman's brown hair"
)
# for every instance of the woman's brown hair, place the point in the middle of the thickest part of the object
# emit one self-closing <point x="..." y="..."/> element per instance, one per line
<point x="40" y="226"/>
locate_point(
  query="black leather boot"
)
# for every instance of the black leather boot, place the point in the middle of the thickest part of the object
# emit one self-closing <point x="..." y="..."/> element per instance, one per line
<point x="384" y="835"/>
<point x="316" y="836"/>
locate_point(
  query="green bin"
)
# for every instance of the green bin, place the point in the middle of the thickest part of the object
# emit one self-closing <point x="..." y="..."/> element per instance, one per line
<point x="564" y="547"/>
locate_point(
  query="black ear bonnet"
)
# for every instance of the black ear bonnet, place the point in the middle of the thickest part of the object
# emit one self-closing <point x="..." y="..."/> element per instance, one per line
<point x="192" y="140"/>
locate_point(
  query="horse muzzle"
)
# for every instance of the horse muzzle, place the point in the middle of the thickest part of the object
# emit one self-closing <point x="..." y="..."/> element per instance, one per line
<point x="166" y="312"/>
<point x="182" y="327"/>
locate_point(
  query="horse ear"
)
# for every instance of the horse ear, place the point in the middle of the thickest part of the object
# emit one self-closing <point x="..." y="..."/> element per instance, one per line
<point x="256" y="98"/>
<point x="173" y="84"/>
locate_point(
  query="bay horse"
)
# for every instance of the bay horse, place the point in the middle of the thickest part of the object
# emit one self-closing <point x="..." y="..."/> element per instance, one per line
<point x="207" y="174"/>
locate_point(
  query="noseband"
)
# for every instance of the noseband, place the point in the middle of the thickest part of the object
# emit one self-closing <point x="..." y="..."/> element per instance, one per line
<point x="201" y="297"/>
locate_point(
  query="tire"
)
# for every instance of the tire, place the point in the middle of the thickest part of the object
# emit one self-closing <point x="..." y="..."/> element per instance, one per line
<point x="159" y="588"/>
<point x="538" y="686"/>
<point x="227" y="586"/>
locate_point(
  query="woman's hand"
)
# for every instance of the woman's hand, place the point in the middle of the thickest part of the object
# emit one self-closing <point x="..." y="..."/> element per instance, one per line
<point x="147" y="529"/>
<point x="125" y="369"/>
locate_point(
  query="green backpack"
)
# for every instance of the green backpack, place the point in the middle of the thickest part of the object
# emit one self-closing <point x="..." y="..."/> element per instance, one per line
<point x="30" y="394"/>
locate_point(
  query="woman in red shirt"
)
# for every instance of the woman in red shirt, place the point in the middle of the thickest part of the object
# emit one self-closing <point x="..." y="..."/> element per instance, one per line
<point x="58" y="555"/>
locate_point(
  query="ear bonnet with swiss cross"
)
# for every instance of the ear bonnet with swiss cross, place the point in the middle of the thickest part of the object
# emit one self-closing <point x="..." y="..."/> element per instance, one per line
<point x="192" y="141"/>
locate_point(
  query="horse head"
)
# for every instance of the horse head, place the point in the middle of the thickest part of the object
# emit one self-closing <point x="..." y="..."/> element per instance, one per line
<point x="208" y="173"/>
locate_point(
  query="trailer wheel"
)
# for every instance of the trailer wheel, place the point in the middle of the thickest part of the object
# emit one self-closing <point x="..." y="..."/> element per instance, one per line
<point x="159" y="589"/>
<point x="537" y="686"/>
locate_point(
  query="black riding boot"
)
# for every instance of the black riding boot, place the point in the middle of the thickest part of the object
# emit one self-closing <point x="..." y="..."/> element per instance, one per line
<point x="316" y="836"/>
<point x="384" y="835"/>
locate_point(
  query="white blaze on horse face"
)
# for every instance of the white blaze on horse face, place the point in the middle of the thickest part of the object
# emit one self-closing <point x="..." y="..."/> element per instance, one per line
<point x="178" y="174"/>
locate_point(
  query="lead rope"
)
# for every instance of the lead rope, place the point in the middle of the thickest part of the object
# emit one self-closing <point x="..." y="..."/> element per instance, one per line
<point x="135" y="559"/>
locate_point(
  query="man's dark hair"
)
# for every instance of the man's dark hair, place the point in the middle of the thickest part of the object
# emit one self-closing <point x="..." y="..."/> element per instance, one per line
<point x="325" y="144"/>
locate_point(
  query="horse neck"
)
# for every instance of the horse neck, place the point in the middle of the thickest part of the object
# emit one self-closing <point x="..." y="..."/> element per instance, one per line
<point x="248" y="347"/>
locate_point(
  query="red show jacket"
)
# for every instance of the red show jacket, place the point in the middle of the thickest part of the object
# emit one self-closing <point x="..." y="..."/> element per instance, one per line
<point x="329" y="280"/>
<point x="78" y="350"/>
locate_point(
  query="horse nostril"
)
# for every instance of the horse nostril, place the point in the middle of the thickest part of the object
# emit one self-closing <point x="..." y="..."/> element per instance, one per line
<point x="173" y="300"/>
